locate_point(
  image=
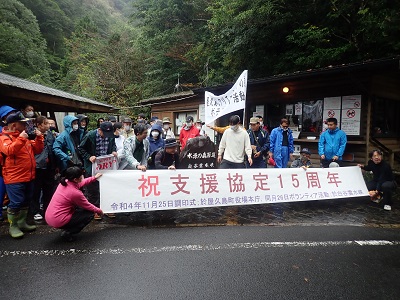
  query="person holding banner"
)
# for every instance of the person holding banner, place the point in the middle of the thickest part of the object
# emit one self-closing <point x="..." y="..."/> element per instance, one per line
<point x="69" y="209"/>
<point x="259" y="140"/>
<point x="168" y="158"/>
<point x="235" y="143"/>
<point x="136" y="150"/>
<point x="383" y="184"/>
<point x="281" y="144"/>
<point x="96" y="143"/>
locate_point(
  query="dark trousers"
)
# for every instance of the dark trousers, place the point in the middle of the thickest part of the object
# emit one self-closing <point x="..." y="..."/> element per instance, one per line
<point x="20" y="195"/>
<point x="92" y="193"/>
<point x="387" y="189"/>
<point x="44" y="188"/>
<point x="326" y="162"/>
<point x="226" y="164"/>
<point x="257" y="163"/>
<point x="79" y="220"/>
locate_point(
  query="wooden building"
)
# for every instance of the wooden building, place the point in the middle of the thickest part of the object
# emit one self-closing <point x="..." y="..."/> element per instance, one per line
<point x="364" y="97"/>
<point x="17" y="92"/>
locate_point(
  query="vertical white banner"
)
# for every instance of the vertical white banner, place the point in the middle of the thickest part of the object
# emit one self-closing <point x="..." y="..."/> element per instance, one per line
<point x="232" y="100"/>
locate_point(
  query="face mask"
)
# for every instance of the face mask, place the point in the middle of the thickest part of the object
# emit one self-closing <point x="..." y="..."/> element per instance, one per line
<point x="127" y="127"/>
<point x="75" y="127"/>
<point x="189" y="124"/>
<point x="198" y="127"/>
<point x="234" y="127"/>
<point x="155" y="134"/>
<point x="30" y="114"/>
<point x="166" y="127"/>
<point x="52" y="128"/>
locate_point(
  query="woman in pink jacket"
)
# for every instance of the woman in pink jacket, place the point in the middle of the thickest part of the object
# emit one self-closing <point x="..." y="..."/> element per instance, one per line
<point x="69" y="209"/>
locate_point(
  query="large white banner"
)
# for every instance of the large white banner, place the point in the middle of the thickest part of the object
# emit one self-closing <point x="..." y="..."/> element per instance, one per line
<point x="232" y="100"/>
<point x="134" y="190"/>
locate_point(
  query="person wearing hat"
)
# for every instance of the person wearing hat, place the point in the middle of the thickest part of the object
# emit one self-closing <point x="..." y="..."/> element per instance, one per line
<point x="5" y="110"/>
<point x="168" y="158"/>
<point x="96" y="143"/>
<point x="128" y="130"/>
<point x="19" y="170"/>
<point x="65" y="146"/>
<point x="303" y="161"/>
<point x="188" y="131"/>
<point x="200" y="127"/>
<point x="259" y="140"/>
<point x="167" y="131"/>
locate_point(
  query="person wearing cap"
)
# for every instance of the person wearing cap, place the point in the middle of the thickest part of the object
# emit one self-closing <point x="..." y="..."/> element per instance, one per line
<point x="234" y="145"/>
<point x="281" y="144"/>
<point x="19" y="170"/>
<point x="65" y="146"/>
<point x="167" y="131"/>
<point x="168" y="158"/>
<point x="112" y="119"/>
<point x="259" y="140"/>
<point x="188" y="131"/>
<point x="303" y="161"/>
<point x="136" y="150"/>
<point x="97" y="142"/>
<point x="83" y="123"/>
<point x="331" y="144"/>
<point x="5" y="110"/>
<point x="200" y="127"/>
<point x="127" y="128"/>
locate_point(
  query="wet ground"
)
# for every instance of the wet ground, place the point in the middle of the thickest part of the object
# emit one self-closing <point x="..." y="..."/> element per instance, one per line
<point x="352" y="211"/>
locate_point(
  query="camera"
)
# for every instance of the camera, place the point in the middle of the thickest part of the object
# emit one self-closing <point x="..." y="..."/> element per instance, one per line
<point x="30" y="131"/>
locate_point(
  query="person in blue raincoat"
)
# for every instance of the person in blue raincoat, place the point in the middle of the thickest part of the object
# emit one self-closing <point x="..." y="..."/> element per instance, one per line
<point x="331" y="144"/>
<point x="66" y="144"/>
<point x="155" y="139"/>
<point x="281" y="144"/>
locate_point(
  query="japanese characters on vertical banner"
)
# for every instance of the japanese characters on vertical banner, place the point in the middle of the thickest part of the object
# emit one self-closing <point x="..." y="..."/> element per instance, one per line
<point x="232" y="100"/>
<point x="105" y="162"/>
<point x="131" y="191"/>
<point x="351" y="114"/>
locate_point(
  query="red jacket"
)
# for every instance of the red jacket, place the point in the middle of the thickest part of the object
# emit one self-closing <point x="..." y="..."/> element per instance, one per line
<point x="185" y="135"/>
<point x="20" y="164"/>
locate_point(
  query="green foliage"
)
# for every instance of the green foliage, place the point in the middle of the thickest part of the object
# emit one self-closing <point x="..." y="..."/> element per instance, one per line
<point x="22" y="47"/>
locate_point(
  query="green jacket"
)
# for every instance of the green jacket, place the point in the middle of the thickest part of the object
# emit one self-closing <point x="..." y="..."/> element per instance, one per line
<point x="87" y="148"/>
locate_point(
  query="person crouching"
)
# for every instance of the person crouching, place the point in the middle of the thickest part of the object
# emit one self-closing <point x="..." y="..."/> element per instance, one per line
<point x="69" y="209"/>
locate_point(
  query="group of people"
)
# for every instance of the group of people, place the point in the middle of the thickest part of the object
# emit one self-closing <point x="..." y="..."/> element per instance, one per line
<point x="46" y="173"/>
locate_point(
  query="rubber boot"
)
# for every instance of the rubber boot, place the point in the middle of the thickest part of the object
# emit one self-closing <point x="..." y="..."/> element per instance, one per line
<point x="14" y="230"/>
<point x="22" y="221"/>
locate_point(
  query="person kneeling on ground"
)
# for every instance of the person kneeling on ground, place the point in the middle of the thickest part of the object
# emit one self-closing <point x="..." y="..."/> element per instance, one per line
<point x="382" y="185"/>
<point x="69" y="209"/>
<point x="303" y="161"/>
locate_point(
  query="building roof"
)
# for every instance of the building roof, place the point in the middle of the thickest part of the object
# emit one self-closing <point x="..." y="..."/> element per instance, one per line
<point x="17" y="91"/>
<point x="315" y="75"/>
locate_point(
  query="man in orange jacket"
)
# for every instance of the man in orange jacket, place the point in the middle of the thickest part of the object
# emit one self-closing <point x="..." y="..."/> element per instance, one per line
<point x="18" y="149"/>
